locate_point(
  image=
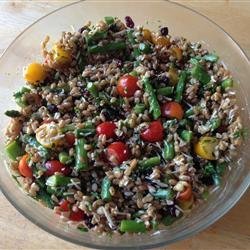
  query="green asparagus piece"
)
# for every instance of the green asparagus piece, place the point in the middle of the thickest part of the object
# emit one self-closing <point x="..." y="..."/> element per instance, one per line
<point x="199" y="73"/>
<point x="165" y="91"/>
<point x="186" y="135"/>
<point x="139" y="108"/>
<point x="19" y="97"/>
<point x="167" y="194"/>
<point x="154" y="106"/>
<point x="81" y="155"/>
<point x="112" y="46"/>
<point x="168" y="150"/>
<point x="64" y="158"/>
<point x="180" y="86"/>
<point x="105" y="194"/>
<point x="109" y="20"/>
<point x="131" y="226"/>
<point x="14" y="149"/>
<point x="226" y="84"/>
<point x="57" y="181"/>
<point x="211" y="58"/>
<point x="131" y="39"/>
<point x="149" y="163"/>
<point x="92" y="89"/>
<point x="95" y="36"/>
<point x="42" y="151"/>
<point x="12" y="113"/>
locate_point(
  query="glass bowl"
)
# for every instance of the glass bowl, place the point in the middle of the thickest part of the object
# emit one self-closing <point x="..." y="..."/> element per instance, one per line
<point x="181" y="22"/>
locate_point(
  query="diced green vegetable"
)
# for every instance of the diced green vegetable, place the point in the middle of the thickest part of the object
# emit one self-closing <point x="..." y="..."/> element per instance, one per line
<point x="14" y="149"/>
<point x="199" y="73"/>
<point x="168" y="151"/>
<point x="167" y="194"/>
<point x="145" y="48"/>
<point x="81" y="155"/>
<point x="211" y="58"/>
<point x="92" y="89"/>
<point x="180" y="86"/>
<point x="131" y="226"/>
<point x="105" y="194"/>
<point x="109" y="20"/>
<point x="186" y="135"/>
<point x="112" y="46"/>
<point x="57" y="181"/>
<point x="139" y="108"/>
<point x="149" y="163"/>
<point x="165" y="91"/>
<point x="64" y="158"/>
<point x="168" y="220"/>
<point x="42" y="151"/>
<point x="19" y="97"/>
<point x="189" y="112"/>
<point x="214" y="123"/>
<point x="227" y="83"/>
<point x="12" y="113"/>
<point x="154" y="106"/>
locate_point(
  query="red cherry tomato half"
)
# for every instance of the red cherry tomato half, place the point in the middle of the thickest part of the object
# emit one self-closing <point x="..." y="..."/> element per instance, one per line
<point x="56" y="166"/>
<point x="70" y="139"/>
<point x="127" y="85"/>
<point x="117" y="152"/>
<point x="153" y="133"/>
<point x="172" y="110"/>
<point x="24" y="168"/>
<point x="64" y="206"/>
<point x="76" y="216"/>
<point x="106" y="128"/>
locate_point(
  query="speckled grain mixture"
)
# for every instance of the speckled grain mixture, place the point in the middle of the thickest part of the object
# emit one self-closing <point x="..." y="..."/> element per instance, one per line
<point x="62" y="99"/>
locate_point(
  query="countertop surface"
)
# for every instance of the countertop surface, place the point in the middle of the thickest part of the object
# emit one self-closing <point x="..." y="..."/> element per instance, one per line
<point x="231" y="232"/>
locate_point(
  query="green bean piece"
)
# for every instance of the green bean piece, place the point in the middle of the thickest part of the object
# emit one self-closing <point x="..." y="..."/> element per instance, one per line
<point x="12" y="113"/>
<point x="42" y="151"/>
<point x="57" y="181"/>
<point x="186" y="135"/>
<point x="189" y="112"/>
<point x="180" y="86"/>
<point x="168" y="220"/>
<point x="131" y="226"/>
<point x="145" y="48"/>
<point x="139" y="108"/>
<point x="81" y="155"/>
<point x="154" y="106"/>
<point x="19" y="97"/>
<point x="210" y="58"/>
<point x="149" y="163"/>
<point x="168" y="150"/>
<point x="97" y="35"/>
<point x="131" y="39"/>
<point x="105" y="194"/>
<point x="199" y="73"/>
<point x="165" y="91"/>
<point x="214" y="123"/>
<point x="227" y="84"/>
<point x="109" y="20"/>
<point x="112" y="46"/>
<point x="14" y="149"/>
<point x="167" y="194"/>
<point x="83" y="132"/>
<point x="64" y="158"/>
<point x="91" y="87"/>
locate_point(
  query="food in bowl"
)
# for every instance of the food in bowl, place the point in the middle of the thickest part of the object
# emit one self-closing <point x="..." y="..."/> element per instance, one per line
<point x="122" y="129"/>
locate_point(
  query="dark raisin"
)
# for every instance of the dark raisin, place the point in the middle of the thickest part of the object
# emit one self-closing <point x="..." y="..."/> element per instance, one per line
<point x="88" y="220"/>
<point x="164" y="31"/>
<point x="129" y="22"/>
<point x="52" y="108"/>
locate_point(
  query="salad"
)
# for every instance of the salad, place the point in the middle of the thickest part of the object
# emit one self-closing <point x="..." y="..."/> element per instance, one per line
<point x="122" y="129"/>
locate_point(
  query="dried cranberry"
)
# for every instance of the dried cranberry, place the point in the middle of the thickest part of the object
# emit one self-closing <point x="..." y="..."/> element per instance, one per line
<point x="164" y="31"/>
<point x="129" y="22"/>
<point x="163" y="79"/>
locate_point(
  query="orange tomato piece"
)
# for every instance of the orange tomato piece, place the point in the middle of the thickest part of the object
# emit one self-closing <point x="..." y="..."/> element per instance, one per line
<point x="186" y="194"/>
<point x="24" y="168"/>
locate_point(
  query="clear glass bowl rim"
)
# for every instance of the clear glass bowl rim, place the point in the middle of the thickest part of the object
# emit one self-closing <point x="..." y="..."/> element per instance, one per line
<point x="196" y="229"/>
